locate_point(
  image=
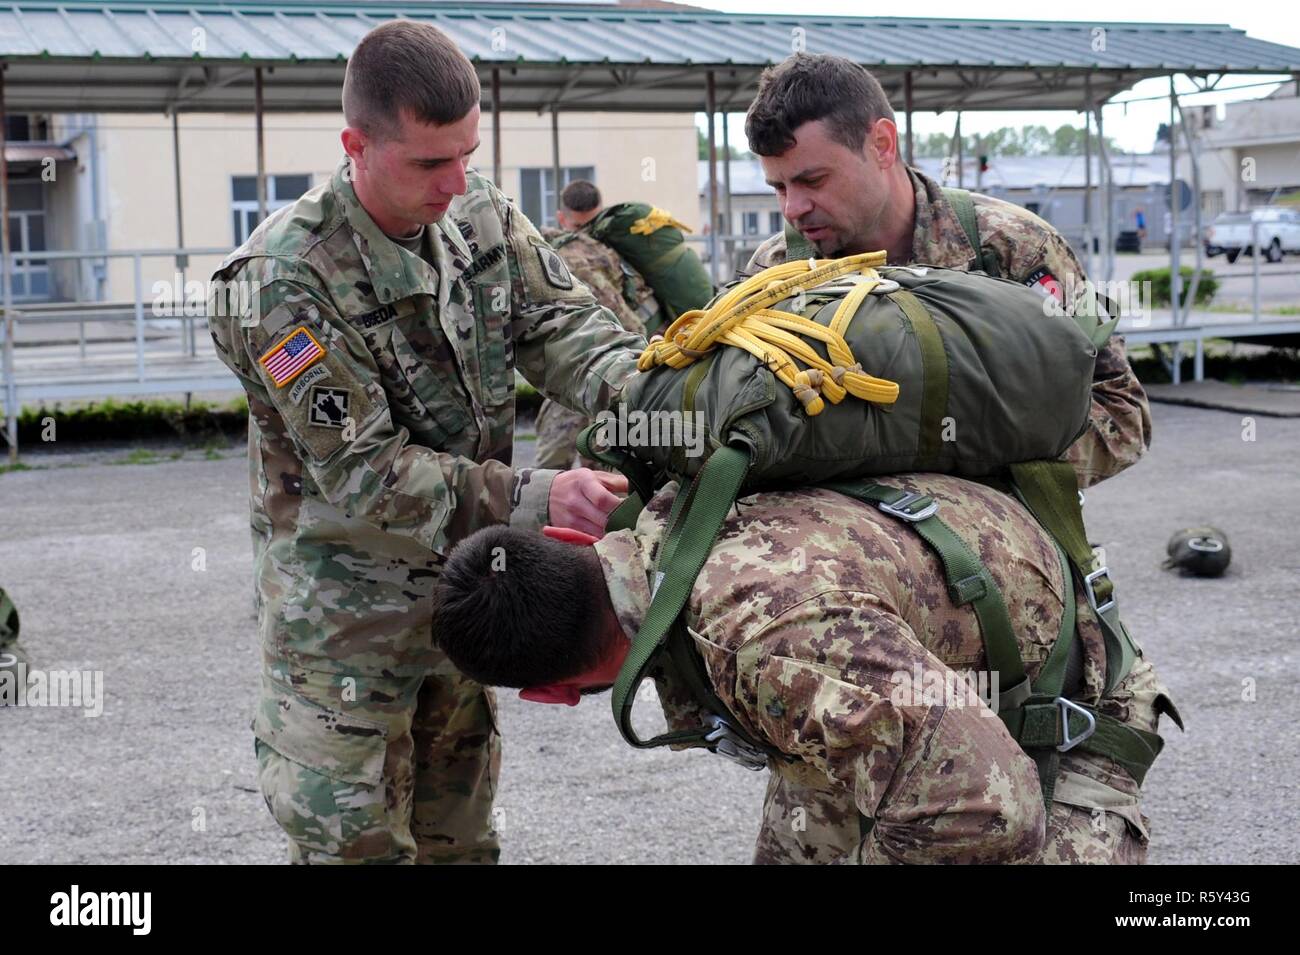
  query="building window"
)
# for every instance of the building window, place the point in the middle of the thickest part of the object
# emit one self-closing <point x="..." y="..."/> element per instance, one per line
<point x="774" y="222"/>
<point x="751" y="223"/>
<point x="280" y="192"/>
<point x="30" y="278"/>
<point x="24" y="127"/>
<point x="538" y="195"/>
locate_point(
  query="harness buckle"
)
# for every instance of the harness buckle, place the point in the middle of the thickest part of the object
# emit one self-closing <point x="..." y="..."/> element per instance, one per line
<point x="1068" y="742"/>
<point x="905" y="508"/>
<point x="1090" y="589"/>
<point x="728" y="744"/>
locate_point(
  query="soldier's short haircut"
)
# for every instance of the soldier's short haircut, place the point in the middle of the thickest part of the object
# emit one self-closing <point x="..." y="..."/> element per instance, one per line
<point x="515" y="608"/>
<point x="810" y="86"/>
<point x="407" y="66"/>
<point x="581" y="195"/>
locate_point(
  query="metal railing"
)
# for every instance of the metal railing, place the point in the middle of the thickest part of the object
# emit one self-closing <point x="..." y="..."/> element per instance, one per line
<point x="100" y="376"/>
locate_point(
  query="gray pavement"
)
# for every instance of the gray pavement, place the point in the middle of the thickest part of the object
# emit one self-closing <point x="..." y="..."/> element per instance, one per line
<point x="100" y="558"/>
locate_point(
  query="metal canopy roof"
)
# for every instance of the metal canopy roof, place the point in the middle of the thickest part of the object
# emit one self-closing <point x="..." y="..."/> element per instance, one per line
<point x="137" y="55"/>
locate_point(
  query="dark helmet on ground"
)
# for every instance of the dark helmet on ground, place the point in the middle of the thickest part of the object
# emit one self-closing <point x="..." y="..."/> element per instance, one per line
<point x="1201" y="551"/>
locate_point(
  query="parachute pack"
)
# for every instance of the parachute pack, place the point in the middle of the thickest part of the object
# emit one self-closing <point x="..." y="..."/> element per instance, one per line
<point x="652" y="242"/>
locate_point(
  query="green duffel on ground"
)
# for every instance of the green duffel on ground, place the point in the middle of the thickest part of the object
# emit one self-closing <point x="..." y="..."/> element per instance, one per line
<point x="990" y="373"/>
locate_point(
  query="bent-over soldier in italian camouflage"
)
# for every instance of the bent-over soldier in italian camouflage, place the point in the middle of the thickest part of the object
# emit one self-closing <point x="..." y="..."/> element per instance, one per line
<point x="379" y="364"/>
<point x="622" y="290"/>
<point x="812" y="615"/>
<point x="827" y="141"/>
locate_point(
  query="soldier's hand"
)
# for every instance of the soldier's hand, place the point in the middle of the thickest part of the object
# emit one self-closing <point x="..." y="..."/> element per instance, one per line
<point x="582" y="499"/>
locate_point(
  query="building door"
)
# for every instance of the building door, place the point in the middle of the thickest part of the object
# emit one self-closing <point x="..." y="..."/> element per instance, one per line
<point x="30" y="277"/>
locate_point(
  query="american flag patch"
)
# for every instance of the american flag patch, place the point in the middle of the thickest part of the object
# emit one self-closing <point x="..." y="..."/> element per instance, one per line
<point x="294" y="355"/>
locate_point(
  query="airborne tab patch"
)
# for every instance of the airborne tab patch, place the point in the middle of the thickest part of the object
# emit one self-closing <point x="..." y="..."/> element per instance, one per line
<point x="293" y="355"/>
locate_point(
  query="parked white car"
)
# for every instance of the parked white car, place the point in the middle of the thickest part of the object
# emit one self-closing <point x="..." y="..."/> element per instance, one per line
<point x="1279" y="232"/>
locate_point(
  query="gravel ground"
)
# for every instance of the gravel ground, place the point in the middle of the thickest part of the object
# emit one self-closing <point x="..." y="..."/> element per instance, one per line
<point x="100" y="558"/>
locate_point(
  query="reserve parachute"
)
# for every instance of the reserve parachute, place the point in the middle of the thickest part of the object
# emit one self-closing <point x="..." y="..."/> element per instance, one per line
<point x="651" y="241"/>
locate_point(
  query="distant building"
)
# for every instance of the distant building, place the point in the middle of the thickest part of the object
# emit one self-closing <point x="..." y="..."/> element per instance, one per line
<point x="1051" y="186"/>
<point x="1250" y="157"/>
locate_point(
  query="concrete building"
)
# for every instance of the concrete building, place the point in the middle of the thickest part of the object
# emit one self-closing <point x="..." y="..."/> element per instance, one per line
<point x="1249" y="156"/>
<point x="107" y="181"/>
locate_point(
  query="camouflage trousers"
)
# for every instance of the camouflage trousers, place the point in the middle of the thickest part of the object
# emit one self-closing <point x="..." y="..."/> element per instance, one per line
<point x="557" y="435"/>
<point x="1095" y="818"/>
<point x="379" y="769"/>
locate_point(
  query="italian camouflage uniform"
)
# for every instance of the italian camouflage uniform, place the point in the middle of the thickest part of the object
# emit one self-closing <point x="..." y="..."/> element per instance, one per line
<point x="622" y="290"/>
<point x="1029" y="251"/>
<point x="381" y="409"/>
<point x="809" y="611"/>
<point x="1093" y="823"/>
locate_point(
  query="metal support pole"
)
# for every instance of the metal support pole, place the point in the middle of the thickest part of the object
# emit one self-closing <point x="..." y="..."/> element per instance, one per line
<point x="726" y="192"/>
<point x="710" y="109"/>
<point x="6" y="288"/>
<point x="182" y="260"/>
<point x="1175" y="279"/>
<point x="1107" y="201"/>
<point x="960" y="159"/>
<point x="1254" y="268"/>
<point x="261" y="146"/>
<point x="1199" y="372"/>
<point x="496" y="127"/>
<point x="139" y="315"/>
<point x="907" y="112"/>
<point x="1193" y="157"/>
<point x="1088" y="262"/>
<point x="555" y="159"/>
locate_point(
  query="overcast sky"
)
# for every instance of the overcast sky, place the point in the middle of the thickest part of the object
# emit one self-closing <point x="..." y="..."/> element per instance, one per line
<point x="1134" y="126"/>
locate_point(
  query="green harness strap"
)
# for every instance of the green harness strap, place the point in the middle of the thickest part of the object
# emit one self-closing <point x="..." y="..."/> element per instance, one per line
<point x="1050" y="490"/>
<point x="964" y="206"/>
<point x="696" y="518"/>
<point x="1039" y="717"/>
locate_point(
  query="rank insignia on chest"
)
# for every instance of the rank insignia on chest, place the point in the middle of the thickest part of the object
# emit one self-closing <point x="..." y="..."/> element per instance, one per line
<point x="293" y="355"/>
<point x="553" y="267"/>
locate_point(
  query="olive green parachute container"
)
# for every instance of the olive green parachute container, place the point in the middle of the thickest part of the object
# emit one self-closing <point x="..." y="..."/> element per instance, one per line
<point x="989" y="373"/>
<point x="651" y="241"/>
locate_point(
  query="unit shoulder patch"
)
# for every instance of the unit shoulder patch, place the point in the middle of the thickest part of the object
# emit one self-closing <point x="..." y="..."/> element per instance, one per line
<point x="328" y="407"/>
<point x="553" y="267"/>
<point x="1047" y="283"/>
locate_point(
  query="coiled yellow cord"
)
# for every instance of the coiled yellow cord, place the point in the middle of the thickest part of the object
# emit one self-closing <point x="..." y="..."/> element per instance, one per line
<point x="744" y="318"/>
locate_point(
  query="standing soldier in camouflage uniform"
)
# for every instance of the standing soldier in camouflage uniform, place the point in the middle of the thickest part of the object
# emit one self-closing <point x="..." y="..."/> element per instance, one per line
<point x="376" y="325"/>
<point x="826" y="138"/>
<point x="616" y="285"/>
